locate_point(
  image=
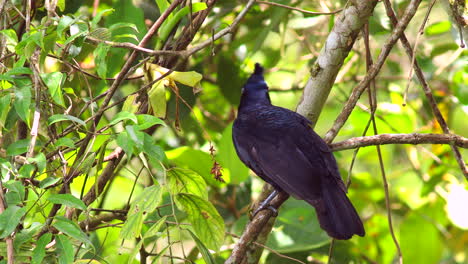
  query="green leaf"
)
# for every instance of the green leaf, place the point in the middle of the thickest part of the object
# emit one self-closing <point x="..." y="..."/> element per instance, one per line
<point x="5" y="100"/>
<point x="186" y="181"/>
<point x="116" y="26"/>
<point x="157" y="98"/>
<point x="153" y="150"/>
<point x="136" y="136"/>
<point x="19" y="71"/>
<point x="48" y="182"/>
<point x="53" y="82"/>
<point x="60" y="117"/>
<point x="147" y="121"/>
<point x="123" y="116"/>
<point x="71" y="229"/>
<point x="65" y="142"/>
<point x="64" y="249"/>
<point x="206" y="221"/>
<point x="191" y="78"/>
<point x="153" y="231"/>
<point x="99" y="16"/>
<point x="148" y="200"/>
<point x="202" y="248"/>
<point x="233" y="167"/>
<point x="15" y="194"/>
<point x="40" y="161"/>
<point x="39" y="251"/>
<point x="68" y="200"/>
<point x="125" y="143"/>
<point x="22" y="103"/>
<point x="100" y="56"/>
<point x="170" y="23"/>
<point x="17" y="148"/>
<point x="132" y="227"/>
<point x="9" y="219"/>
<point x="437" y="28"/>
<point x="229" y="79"/>
<point x="63" y="24"/>
<point x="418" y="235"/>
<point x="61" y="5"/>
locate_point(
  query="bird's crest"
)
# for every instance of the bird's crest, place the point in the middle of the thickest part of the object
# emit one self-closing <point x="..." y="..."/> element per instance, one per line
<point x="258" y="69"/>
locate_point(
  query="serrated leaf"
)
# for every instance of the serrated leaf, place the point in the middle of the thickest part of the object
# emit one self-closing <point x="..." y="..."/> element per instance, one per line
<point x="124" y="115"/>
<point x="202" y="248"/>
<point x="18" y="147"/>
<point x="53" y="82"/>
<point x="65" y="249"/>
<point x="22" y="103"/>
<point x="9" y="219"/>
<point x="60" y="117"/>
<point x="186" y="181"/>
<point x="132" y="227"/>
<point x="206" y="221"/>
<point x="147" y="121"/>
<point x="39" y="251"/>
<point x="68" y="200"/>
<point x="71" y="229"/>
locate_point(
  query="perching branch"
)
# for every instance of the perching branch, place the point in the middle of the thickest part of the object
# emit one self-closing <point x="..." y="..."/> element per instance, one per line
<point x="414" y="138"/>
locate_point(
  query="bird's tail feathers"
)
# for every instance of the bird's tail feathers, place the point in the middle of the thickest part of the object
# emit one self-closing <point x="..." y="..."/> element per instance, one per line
<point x="337" y="215"/>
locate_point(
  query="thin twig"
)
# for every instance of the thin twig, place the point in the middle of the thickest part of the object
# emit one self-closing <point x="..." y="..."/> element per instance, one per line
<point x="299" y="9"/>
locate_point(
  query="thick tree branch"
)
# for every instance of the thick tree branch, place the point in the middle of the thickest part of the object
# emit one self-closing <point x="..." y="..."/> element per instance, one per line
<point x="414" y="138"/>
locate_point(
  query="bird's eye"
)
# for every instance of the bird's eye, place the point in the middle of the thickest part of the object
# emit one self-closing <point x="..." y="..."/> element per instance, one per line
<point x="242" y="90"/>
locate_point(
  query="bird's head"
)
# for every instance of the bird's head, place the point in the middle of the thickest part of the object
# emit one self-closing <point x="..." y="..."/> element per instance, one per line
<point x="256" y="82"/>
<point x="255" y="90"/>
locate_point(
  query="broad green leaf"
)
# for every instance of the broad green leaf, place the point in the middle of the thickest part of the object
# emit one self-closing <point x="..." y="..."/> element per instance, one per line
<point x="22" y="103"/>
<point x="233" y="167"/>
<point x="10" y="35"/>
<point x="25" y="235"/>
<point x="65" y="142"/>
<point x="71" y="229"/>
<point x="157" y="98"/>
<point x="123" y="25"/>
<point x="68" y="200"/>
<point x="15" y="194"/>
<point x="124" y="115"/>
<point x="229" y="79"/>
<point x="26" y="170"/>
<point x="100" y="56"/>
<point x="125" y="143"/>
<point x="61" y="5"/>
<point x="18" y="147"/>
<point x="131" y="104"/>
<point x="437" y="28"/>
<point x="39" y="251"/>
<point x="63" y="24"/>
<point x="136" y="136"/>
<point x="19" y="71"/>
<point x="5" y="101"/>
<point x="53" y="82"/>
<point x="154" y="229"/>
<point x="60" y="117"/>
<point x="48" y="182"/>
<point x="99" y="16"/>
<point x="64" y="249"/>
<point x="418" y="235"/>
<point x="186" y="181"/>
<point x="9" y="219"/>
<point x="202" y="248"/>
<point x="148" y="200"/>
<point x="191" y="78"/>
<point x="40" y="161"/>
<point x="147" y="121"/>
<point x="132" y="227"/>
<point x="152" y="149"/>
<point x="206" y="221"/>
<point x="102" y="34"/>
<point x="195" y="160"/>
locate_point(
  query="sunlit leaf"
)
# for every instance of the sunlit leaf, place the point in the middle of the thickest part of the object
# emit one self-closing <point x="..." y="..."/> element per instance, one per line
<point x="54" y="83"/>
<point x="186" y="181"/>
<point x="227" y="157"/>
<point x="9" y="219"/>
<point x="68" y="200"/>
<point x="121" y="116"/>
<point x="39" y="251"/>
<point x="60" y="117"/>
<point x="65" y="249"/>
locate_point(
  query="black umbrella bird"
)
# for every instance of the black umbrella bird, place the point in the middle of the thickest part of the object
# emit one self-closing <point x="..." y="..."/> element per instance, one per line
<point x="281" y="147"/>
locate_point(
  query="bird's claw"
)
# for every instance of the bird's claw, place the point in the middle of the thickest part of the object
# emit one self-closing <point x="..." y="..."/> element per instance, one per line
<point x="265" y="207"/>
